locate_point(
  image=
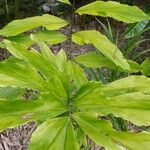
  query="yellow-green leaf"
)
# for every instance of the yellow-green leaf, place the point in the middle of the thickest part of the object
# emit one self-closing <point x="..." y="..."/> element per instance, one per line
<point x="56" y="134"/>
<point x="146" y="67"/>
<point x="121" y="12"/>
<point x="102" y="133"/>
<point x="94" y="60"/>
<point x="50" y="37"/>
<point x="132" y="106"/>
<point x="77" y="74"/>
<point x="128" y="84"/>
<point x="102" y="43"/>
<point x="16" y="112"/>
<point x="65" y="1"/>
<point x="19" y="26"/>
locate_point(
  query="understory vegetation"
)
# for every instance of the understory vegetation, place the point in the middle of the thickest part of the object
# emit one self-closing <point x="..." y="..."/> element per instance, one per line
<point x="78" y="101"/>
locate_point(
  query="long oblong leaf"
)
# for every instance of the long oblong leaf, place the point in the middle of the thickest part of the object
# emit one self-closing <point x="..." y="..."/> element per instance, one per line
<point x="19" y="26"/>
<point x="121" y="12"/>
<point x="19" y="75"/>
<point x="99" y="137"/>
<point x="55" y="134"/>
<point x="134" y="29"/>
<point x="16" y="112"/>
<point x="94" y="60"/>
<point x="31" y="57"/>
<point x="77" y="74"/>
<point x="132" y="106"/>
<point x="101" y="132"/>
<point x="51" y="37"/>
<point x="128" y="84"/>
<point x="102" y="43"/>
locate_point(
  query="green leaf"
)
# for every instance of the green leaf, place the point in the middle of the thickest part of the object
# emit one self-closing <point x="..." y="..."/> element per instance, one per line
<point x="134" y="29"/>
<point x="55" y="134"/>
<point x="9" y="81"/>
<point x="61" y="61"/>
<point x="47" y="53"/>
<point x="19" y="26"/>
<point x="65" y="1"/>
<point x="2" y="45"/>
<point x="88" y="95"/>
<point x="71" y="141"/>
<point x="101" y="132"/>
<point x="31" y="57"/>
<point x="118" y="123"/>
<point x="132" y="106"/>
<point x="103" y="45"/>
<point x="135" y="67"/>
<point x="87" y="90"/>
<point x="51" y="37"/>
<point x="146" y="67"/>
<point x="88" y="126"/>
<point x="10" y="93"/>
<point x="121" y="12"/>
<point x="50" y="64"/>
<point x="133" y="141"/>
<point x="81" y="137"/>
<point x="19" y="75"/>
<point x="16" y="112"/>
<point x="130" y="84"/>
<point x="56" y="85"/>
<point x="77" y="74"/>
<point x="94" y="60"/>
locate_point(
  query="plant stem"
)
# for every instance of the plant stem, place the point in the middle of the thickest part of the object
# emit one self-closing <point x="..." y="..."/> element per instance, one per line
<point x="71" y="29"/>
